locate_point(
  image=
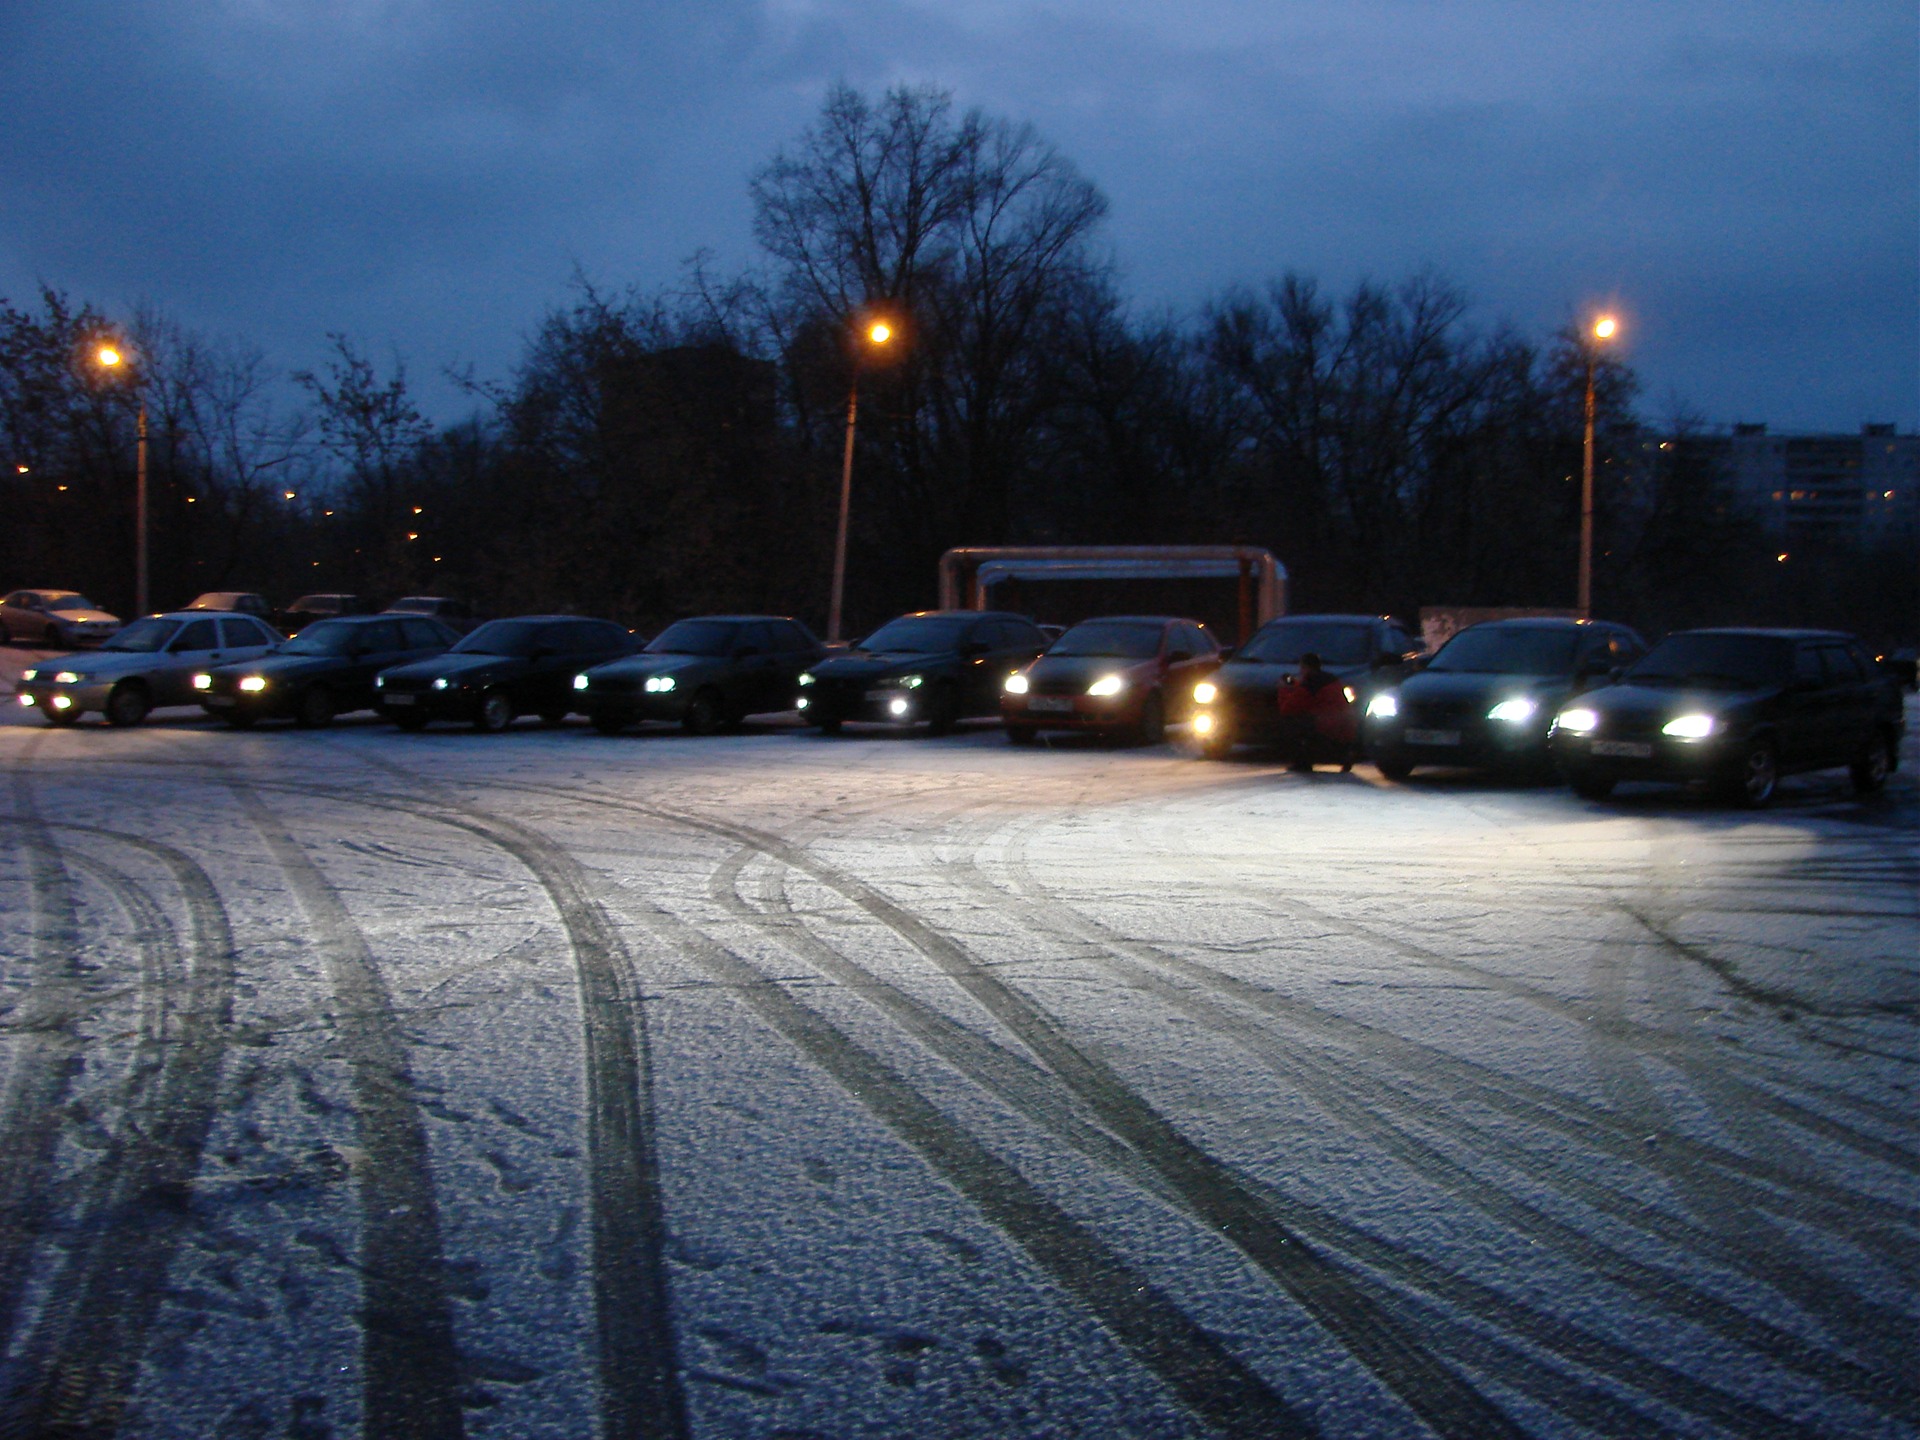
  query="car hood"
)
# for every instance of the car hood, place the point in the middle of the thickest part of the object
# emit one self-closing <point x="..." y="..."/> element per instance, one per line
<point x="284" y="667"/>
<point x="640" y="667"/>
<point x="881" y="664"/>
<point x="1644" y="701"/>
<point x="90" y="617"/>
<point x="102" y="664"/>
<point x="1242" y="676"/>
<point x="1083" y="670"/>
<point x="468" y="668"/>
<point x="1474" y="686"/>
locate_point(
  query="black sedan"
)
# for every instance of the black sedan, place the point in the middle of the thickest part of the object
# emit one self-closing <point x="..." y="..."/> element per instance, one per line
<point x="932" y="667"/>
<point x="1736" y="709"/>
<point x="326" y="670"/>
<point x="1125" y="675"/>
<point x="1237" y="704"/>
<point x="505" y="669"/>
<point x="706" y="673"/>
<point x="1490" y="693"/>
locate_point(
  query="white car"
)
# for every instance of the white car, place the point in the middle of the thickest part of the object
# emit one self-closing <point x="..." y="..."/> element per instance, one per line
<point x="59" y="618"/>
<point x="148" y="664"/>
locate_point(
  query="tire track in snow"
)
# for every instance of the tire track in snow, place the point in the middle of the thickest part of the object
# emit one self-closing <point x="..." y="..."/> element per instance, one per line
<point x="76" y="1373"/>
<point x="642" y="1397"/>
<point x="410" y="1366"/>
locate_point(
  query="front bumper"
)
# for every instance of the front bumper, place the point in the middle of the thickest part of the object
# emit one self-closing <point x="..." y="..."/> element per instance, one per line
<point x="1661" y="758"/>
<point x="632" y="705"/>
<point x="878" y="703"/>
<point x="1455" y="740"/>
<point x="1073" y="712"/>
<point x="460" y="702"/>
<point x="78" y="698"/>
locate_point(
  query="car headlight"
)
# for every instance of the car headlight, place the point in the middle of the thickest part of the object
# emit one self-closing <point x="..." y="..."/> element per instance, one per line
<point x="1107" y="685"/>
<point x="1516" y="711"/>
<point x="659" y="684"/>
<point x="801" y="703"/>
<point x="1384" y="706"/>
<point x="1016" y="685"/>
<point x="379" y="682"/>
<point x="254" y="684"/>
<point x="806" y="679"/>
<point x="29" y="674"/>
<point x="898" y="707"/>
<point x="911" y="682"/>
<point x="441" y="682"/>
<point x="203" y="681"/>
<point x="1689" y="727"/>
<point x="66" y="677"/>
<point x="1347" y="690"/>
<point x="1205" y="693"/>
<point x="580" y="682"/>
<point x="1580" y="721"/>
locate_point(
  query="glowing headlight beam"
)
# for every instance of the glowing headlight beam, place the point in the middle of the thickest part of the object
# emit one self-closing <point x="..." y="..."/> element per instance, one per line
<point x="1016" y="685"/>
<point x="1384" y="706"/>
<point x="1688" y="727"/>
<point x="1107" y="685"/>
<point x="1516" y="711"/>
<point x="1205" y="693"/>
<point x="1581" y="721"/>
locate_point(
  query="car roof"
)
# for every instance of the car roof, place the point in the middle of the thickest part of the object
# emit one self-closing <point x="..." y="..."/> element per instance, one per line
<point x="1138" y="620"/>
<point x="1328" y="615"/>
<point x="199" y="615"/>
<point x="1543" y="622"/>
<point x="1770" y="633"/>
<point x="743" y="619"/>
<point x="962" y="615"/>
<point x="31" y="590"/>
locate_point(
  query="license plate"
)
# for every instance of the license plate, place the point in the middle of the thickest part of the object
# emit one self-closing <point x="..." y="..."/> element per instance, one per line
<point x="1433" y="737"/>
<point x="1624" y="749"/>
<point x="219" y="702"/>
<point x="1051" y="704"/>
<point x="400" y="699"/>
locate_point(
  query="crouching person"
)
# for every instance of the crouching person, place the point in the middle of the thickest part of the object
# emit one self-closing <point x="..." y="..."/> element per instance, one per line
<point x="1319" y="724"/>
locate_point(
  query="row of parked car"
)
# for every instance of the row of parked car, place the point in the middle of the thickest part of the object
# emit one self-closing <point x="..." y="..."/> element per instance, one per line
<point x="1735" y="709"/>
<point x="69" y="620"/>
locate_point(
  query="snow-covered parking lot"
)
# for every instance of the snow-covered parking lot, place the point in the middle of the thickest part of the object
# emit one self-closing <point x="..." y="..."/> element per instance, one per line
<point x="550" y="1084"/>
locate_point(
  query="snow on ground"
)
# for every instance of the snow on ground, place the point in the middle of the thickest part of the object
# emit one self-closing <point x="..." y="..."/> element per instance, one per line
<point x="775" y="1085"/>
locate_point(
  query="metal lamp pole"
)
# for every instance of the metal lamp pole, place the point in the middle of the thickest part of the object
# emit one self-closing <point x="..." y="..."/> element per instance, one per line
<point x="111" y="358"/>
<point x="1603" y="329"/>
<point x="877" y="334"/>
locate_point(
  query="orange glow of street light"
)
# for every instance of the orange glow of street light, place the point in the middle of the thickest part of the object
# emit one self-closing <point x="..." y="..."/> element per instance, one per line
<point x="880" y="332"/>
<point x="108" y="356"/>
<point x="1605" y="327"/>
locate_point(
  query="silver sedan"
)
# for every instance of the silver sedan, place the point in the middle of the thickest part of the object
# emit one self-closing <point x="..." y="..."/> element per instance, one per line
<point x="149" y="664"/>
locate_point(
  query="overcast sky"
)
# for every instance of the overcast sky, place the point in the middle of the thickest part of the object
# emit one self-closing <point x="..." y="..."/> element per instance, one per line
<point x="1738" y="177"/>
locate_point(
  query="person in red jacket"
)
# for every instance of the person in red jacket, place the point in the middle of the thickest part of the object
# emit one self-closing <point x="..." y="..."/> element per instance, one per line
<point x="1318" y="721"/>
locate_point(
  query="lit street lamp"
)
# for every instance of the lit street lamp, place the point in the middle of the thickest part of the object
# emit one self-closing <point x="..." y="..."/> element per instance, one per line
<point x="1605" y="328"/>
<point x="111" y="359"/>
<point x="877" y="334"/>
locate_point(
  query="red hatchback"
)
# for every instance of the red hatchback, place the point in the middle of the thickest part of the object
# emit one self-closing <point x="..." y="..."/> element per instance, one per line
<point x="1123" y="675"/>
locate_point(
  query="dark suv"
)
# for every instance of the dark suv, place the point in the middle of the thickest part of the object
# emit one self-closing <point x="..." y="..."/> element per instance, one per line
<point x="1737" y="709"/>
<point x="932" y="667"/>
<point x="706" y="673"/>
<point x="1238" y="704"/>
<point x="505" y="669"/>
<point x="1490" y="693"/>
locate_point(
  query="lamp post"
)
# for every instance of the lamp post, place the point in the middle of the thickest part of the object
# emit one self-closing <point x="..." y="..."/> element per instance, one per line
<point x="877" y="334"/>
<point x="1605" y="328"/>
<point x="111" y="359"/>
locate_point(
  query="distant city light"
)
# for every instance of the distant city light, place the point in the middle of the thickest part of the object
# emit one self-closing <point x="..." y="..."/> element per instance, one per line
<point x="289" y="495"/>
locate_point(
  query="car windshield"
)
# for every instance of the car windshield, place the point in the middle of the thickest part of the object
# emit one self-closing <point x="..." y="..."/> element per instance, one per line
<point x="1738" y="661"/>
<point x="71" y="602"/>
<point x="1336" y="642"/>
<point x="146" y="637"/>
<point x="1497" y="650"/>
<point x="918" y="634"/>
<point x="327" y="637"/>
<point x="695" y="637"/>
<point x="501" y="637"/>
<point x="1121" y="639"/>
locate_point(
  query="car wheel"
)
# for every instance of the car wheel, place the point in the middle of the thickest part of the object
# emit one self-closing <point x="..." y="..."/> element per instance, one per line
<point x="704" y="713"/>
<point x="409" y="720"/>
<point x="6" y="636"/>
<point x="495" y="713"/>
<point x="1152" y="727"/>
<point x="1870" y="771"/>
<point x="606" y="722"/>
<point x="554" y="716"/>
<point x="1756" y="775"/>
<point x="943" y="709"/>
<point x="1393" y="767"/>
<point x="828" y="724"/>
<point x="1022" y="734"/>
<point x="61" y="718"/>
<point x="128" y="704"/>
<point x="315" y="710"/>
<point x="1591" y="784"/>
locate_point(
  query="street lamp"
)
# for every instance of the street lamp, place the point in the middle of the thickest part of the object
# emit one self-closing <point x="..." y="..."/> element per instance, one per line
<point x="111" y="358"/>
<point x="877" y="334"/>
<point x="1604" y="328"/>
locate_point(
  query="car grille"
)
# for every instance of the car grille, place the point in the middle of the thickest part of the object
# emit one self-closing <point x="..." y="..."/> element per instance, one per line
<point x="406" y="685"/>
<point x="1442" y="714"/>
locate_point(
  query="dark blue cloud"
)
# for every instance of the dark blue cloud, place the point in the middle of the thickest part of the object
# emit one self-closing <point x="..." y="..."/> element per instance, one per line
<point x="427" y="176"/>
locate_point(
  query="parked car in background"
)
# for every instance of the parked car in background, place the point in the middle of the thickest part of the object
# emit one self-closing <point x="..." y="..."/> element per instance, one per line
<point x="1122" y="675"/>
<point x="505" y="669"/>
<point x="148" y="664"/>
<point x="53" y="619"/>
<point x="933" y="667"/>
<point x="1489" y="695"/>
<point x="243" y="602"/>
<point x="309" y="608"/>
<point x="1238" y="703"/>
<point x="1736" y="709"/>
<point x="457" y="613"/>
<point x="324" y="671"/>
<point x="706" y="673"/>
